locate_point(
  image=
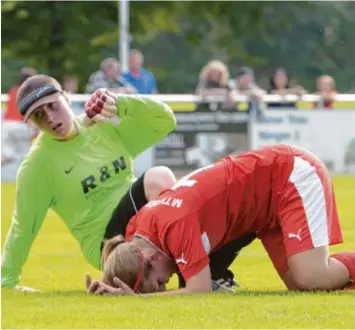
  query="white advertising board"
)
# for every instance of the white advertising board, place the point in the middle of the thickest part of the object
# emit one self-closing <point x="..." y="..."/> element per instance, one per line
<point x="328" y="134"/>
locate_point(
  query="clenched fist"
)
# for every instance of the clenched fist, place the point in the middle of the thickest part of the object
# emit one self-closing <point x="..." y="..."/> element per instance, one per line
<point x="101" y="106"/>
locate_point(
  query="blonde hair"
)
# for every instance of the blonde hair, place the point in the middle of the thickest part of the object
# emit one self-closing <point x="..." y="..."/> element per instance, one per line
<point x="124" y="260"/>
<point x="218" y="66"/>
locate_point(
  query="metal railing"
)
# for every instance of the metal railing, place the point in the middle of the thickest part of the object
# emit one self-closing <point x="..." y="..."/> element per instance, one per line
<point x="240" y="98"/>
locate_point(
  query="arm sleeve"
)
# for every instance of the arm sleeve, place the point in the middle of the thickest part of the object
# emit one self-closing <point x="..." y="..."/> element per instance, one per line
<point x="143" y="122"/>
<point x="183" y="240"/>
<point x="32" y="202"/>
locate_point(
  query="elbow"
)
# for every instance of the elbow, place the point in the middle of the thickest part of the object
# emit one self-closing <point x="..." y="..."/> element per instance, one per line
<point x="171" y="122"/>
<point x="201" y="288"/>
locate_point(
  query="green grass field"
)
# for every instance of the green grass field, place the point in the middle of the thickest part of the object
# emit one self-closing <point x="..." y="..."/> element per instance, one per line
<point x="56" y="267"/>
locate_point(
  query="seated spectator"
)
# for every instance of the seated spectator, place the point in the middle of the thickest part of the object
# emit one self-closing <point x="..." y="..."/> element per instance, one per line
<point x="109" y="77"/>
<point x="244" y="85"/>
<point x="16" y="134"/>
<point x="280" y="85"/>
<point x="142" y="79"/>
<point x="213" y="79"/>
<point x="327" y="92"/>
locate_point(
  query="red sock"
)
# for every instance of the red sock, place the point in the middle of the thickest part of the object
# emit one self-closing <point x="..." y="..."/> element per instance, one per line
<point x="348" y="259"/>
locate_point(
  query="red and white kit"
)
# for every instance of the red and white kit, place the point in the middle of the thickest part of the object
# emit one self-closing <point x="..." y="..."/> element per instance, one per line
<point x="283" y="193"/>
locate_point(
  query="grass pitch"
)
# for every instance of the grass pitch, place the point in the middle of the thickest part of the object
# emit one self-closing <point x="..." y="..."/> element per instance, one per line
<point x="56" y="267"/>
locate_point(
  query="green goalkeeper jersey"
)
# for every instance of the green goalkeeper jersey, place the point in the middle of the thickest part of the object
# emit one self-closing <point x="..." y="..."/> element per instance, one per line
<point x="82" y="180"/>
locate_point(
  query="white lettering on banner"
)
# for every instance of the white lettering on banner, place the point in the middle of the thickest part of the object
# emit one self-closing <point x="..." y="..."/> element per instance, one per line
<point x="297" y="119"/>
<point x="292" y="118"/>
<point x="271" y="119"/>
<point x="328" y="134"/>
<point x="168" y="201"/>
<point x="277" y="136"/>
<point x="212" y="117"/>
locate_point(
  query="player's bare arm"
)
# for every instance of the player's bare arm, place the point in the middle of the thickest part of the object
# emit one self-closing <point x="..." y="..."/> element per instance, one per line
<point x="199" y="283"/>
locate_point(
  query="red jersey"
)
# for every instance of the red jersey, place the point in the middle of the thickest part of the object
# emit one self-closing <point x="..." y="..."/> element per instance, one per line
<point x="213" y="205"/>
<point x="12" y="112"/>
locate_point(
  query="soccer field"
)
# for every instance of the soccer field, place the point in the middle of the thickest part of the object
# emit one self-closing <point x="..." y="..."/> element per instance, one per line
<point x="56" y="267"/>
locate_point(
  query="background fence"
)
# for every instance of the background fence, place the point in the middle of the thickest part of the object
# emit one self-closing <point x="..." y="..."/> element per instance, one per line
<point x="206" y="131"/>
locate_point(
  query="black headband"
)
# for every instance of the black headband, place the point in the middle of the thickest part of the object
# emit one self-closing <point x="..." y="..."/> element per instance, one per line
<point x="35" y="96"/>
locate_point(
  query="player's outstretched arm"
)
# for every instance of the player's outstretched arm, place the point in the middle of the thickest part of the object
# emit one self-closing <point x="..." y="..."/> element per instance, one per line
<point x="199" y="283"/>
<point x="32" y="202"/>
<point x="142" y="121"/>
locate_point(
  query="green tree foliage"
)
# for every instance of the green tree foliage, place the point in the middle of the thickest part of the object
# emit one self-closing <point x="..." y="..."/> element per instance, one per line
<point x="320" y="42"/>
<point x="57" y="37"/>
<point x="179" y="37"/>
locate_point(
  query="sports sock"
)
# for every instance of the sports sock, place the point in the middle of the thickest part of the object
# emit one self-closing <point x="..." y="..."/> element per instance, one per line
<point x="348" y="259"/>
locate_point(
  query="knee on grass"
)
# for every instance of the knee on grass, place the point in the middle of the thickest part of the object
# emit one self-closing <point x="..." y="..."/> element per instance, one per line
<point x="308" y="282"/>
<point x="328" y="276"/>
<point x="156" y="180"/>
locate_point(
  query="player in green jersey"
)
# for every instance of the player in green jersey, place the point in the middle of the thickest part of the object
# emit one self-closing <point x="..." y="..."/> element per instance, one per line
<point x="84" y="173"/>
<point x="82" y="170"/>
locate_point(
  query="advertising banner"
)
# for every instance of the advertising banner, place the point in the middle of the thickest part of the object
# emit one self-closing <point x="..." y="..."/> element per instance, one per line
<point x="329" y="134"/>
<point x="202" y="137"/>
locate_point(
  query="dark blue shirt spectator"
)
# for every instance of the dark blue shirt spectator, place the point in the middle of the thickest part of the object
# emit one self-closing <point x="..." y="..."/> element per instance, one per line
<point x="140" y="78"/>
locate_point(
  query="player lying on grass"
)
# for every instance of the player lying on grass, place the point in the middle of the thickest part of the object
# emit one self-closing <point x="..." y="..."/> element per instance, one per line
<point x="283" y="193"/>
<point x="82" y="170"/>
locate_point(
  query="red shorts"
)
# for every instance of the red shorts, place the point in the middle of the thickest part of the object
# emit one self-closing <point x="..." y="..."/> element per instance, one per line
<point x="306" y="213"/>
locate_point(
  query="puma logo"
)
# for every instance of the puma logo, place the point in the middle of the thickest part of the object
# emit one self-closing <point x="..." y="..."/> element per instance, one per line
<point x="298" y="235"/>
<point x="181" y="260"/>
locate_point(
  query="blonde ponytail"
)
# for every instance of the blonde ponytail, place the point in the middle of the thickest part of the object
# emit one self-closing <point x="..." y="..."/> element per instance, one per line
<point x="124" y="260"/>
<point x="110" y="245"/>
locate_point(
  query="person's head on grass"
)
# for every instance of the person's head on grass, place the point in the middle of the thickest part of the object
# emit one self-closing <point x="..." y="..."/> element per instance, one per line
<point x="42" y="100"/>
<point x="137" y="263"/>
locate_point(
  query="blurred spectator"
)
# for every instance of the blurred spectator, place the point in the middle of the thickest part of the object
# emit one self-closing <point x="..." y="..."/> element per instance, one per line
<point x="16" y="134"/>
<point x="244" y="85"/>
<point x="327" y="92"/>
<point x="142" y="79"/>
<point x="213" y="79"/>
<point x="71" y="84"/>
<point x="280" y="85"/>
<point x="12" y="112"/>
<point x="109" y="77"/>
